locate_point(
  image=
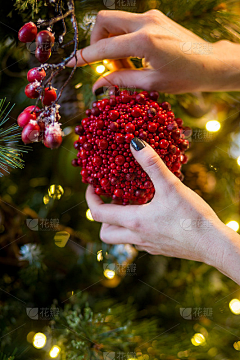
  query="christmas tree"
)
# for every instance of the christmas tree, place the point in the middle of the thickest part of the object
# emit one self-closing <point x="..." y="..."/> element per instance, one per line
<point x="64" y="294"/>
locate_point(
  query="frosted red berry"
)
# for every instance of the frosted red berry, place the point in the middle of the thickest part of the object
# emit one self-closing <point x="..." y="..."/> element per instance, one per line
<point x="36" y="74"/>
<point x="24" y="118"/>
<point x="49" y="97"/>
<point x="27" y="33"/>
<point x="31" y="90"/>
<point x="30" y="132"/>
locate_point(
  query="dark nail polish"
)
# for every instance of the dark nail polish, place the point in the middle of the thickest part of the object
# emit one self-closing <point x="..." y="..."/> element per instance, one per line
<point x="137" y="144"/>
<point x="99" y="91"/>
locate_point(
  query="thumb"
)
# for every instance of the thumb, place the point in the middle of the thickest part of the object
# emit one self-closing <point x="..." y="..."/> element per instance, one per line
<point x="151" y="162"/>
<point x="139" y="78"/>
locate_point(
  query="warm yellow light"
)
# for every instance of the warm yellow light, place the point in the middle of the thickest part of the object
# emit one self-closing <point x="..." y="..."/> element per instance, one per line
<point x="99" y="255"/>
<point x="198" y="339"/>
<point x="105" y="61"/>
<point x="236" y="345"/>
<point x="234" y="225"/>
<point x="77" y="86"/>
<point x="89" y="215"/>
<point x="100" y="69"/>
<point x="55" y="191"/>
<point x="46" y="199"/>
<point x="109" y="274"/>
<point x="213" y="125"/>
<point x="238" y="160"/>
<point x="54" y="352"/>
<point x="235" y="306"/>
<point x="39" y="340"/>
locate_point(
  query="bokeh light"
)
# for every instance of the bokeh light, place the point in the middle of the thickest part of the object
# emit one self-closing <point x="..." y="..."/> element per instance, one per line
<point x="100" y="69"/>
<point x="238" y="160"/>
<point x="213" y="125"/>
<point x="99" y="255"/>
<point x="39" y="340"/>
<point x="109" y="274"/>
<point x="198" y="339"/>
<point x="54" y="352"/>
<point x="236" y="345"/>
<point x="234" y="225"/>
<point x="234" y="306"/>
<point x="30" y="336"/>
<point x="89" y="215"/>
<point x="55" y="191"/>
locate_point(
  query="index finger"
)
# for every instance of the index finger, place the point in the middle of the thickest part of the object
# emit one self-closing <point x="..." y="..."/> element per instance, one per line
<point x="114" y="22"/>
<point x="110" y="213"/>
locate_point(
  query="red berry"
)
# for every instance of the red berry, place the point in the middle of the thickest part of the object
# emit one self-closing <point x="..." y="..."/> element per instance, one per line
<point x="119" y="138"/>
<point x="24" y="118"/>
<point x="44" y="40"/>
<point x="129" y="128"/>
<point x="152" y="127"/>
<point x="113" y="126"/>
<point x="118" y="193"/>
<point x="103" y="144"/>
<point x="49" y="97"/>
<point x="31" y="90"/>
<point x="136" y="112"/>
<point x="27" y="33"/>
<point x="42" y="55"/>
<point x="119" y="160"/>
<point x="30" y="133"/>
<point x="36" y="74"/>
<point x="154" y="95"/>
<point x="113" y="115"/>
<point x="140" y="98"/>
<point x="53" y="141"/>
<point x="78" y="129"/>
<point x="32" y="107"/>
<point x="163" y="144"/>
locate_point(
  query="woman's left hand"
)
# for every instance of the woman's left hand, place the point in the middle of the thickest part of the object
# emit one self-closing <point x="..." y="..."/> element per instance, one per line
<point x="177" y="222"/>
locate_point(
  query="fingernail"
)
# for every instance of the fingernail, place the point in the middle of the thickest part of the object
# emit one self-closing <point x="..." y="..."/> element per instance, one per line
<point x="137" y="144"/>
<point x="99" y="91"/>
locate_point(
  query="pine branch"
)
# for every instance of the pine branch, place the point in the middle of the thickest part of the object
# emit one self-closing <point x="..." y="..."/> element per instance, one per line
<point x="10" y="151"/>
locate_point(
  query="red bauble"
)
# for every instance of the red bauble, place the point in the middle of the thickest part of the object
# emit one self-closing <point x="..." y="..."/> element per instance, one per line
<point x="104" y="150"/>
<point x="49" y="97"/>
<point x="30" y="133"/>
<point x="28" y="32"/>
<point x="36" y="74"/>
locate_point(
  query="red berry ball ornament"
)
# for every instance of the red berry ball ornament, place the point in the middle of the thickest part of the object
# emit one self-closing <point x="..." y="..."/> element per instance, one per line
<point x="27" y="33"/>
<point x="104" y="150"/>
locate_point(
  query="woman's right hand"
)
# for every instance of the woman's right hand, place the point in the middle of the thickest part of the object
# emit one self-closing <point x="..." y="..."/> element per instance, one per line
<point x="176" y="59"/>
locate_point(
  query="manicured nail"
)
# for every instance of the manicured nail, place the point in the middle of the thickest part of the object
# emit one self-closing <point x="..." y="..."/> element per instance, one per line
<point x="137" y="144"/>
<point x="99" y="91"/>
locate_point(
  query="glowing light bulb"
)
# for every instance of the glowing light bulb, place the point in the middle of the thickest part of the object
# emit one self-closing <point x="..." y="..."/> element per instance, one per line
<point x="238" y="160"/>
<point x="213" y="125"/>
<point x="99" y="255"/>
<point x="105" y="61"/>
<point x="39" y="340"/>
<point x="109" y="274"/>
<point x="234" y="306"/>
<point x="46" y="199"/>
<point x="198" y="339"/>
<point x="100" y="69"/>
<point x="234" y="225"/>
<point x="54" y="352"/>
<point x="89" y="215"/>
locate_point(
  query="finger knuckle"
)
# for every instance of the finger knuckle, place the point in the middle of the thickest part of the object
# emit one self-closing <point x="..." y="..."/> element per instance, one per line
<point x="103" y="236"/>
<point x="153" y="15"/>
<point x="151" y="162"/>
<point x="96" y="215"/>
<point x="101" y="15"/>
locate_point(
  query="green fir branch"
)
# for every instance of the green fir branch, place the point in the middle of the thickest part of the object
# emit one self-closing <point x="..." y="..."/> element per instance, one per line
<point x="10" y="151"/>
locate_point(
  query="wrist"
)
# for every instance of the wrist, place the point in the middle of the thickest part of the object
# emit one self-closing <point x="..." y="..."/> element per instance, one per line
<point x="223" y="251"/>
<point x="225" y="66"/>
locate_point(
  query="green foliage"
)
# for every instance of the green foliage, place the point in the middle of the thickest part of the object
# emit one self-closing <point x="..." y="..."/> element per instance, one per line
<point x="10" y="151"/>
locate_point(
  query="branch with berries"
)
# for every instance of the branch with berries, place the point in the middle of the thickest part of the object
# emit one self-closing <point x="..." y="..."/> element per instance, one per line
<point x="42" y="124"/>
